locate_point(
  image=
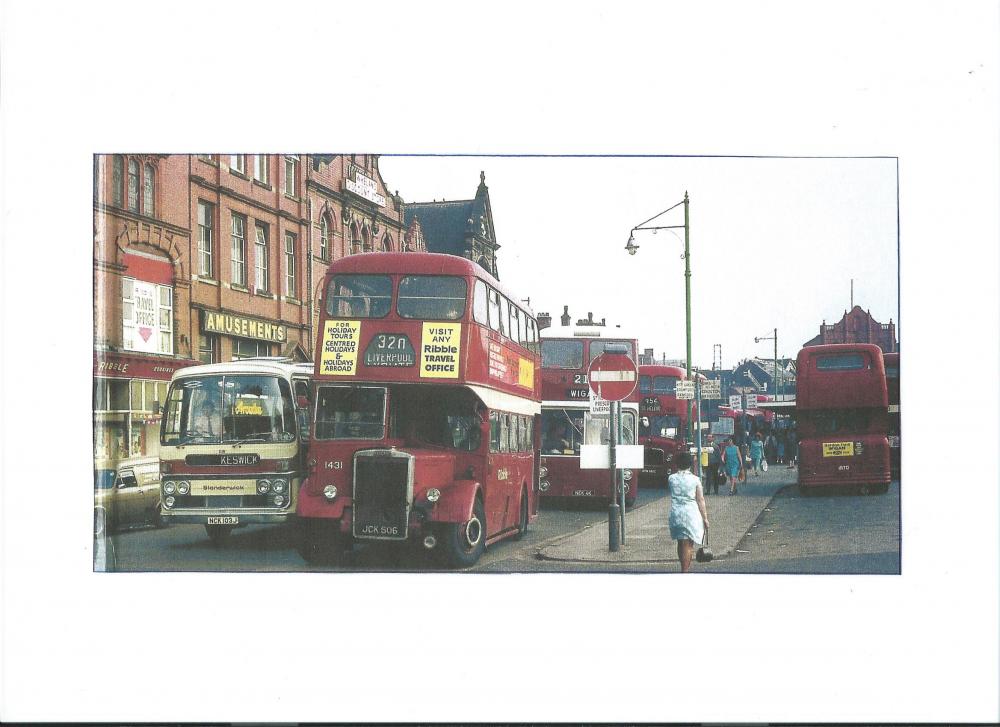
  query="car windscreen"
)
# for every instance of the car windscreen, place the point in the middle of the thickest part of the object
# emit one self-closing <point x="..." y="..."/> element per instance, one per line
<point x="231" y="408"/>
<point x="359" y="296"/>
<point x="350" y="412"/>
<point x="432" y="297"/>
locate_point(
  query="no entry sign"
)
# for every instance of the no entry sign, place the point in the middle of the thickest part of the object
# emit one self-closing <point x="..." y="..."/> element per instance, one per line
<point x="612" y="376"/>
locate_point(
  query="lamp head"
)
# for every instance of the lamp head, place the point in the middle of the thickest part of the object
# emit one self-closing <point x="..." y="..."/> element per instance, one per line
<point x="631" y="246"/>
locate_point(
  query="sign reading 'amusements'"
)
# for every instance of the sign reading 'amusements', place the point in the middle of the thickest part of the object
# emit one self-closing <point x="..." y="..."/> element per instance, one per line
<point x="213" y="322"/>
<point x="440" y="346"/>
<point x="339" y="356"/>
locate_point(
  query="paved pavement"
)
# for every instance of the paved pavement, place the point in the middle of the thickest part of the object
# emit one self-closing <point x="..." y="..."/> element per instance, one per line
<point x="647" y="536"/>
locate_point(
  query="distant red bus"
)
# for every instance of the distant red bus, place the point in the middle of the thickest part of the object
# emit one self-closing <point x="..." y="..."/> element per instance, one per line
<point x="663" y="421"/>
<point x="427" y="402"/>
<point x="892" y="386"/>
<point x="566" y="420"/>
<point x="842" y="412"/>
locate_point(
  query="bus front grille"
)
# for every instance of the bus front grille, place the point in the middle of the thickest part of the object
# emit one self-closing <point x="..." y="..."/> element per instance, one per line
<point x="382" y="496"/>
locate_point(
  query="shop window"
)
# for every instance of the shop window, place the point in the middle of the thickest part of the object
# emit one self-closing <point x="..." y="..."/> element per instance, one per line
<point x="261" y="259"/>
<point x="260" y="169"/>
<point x="324" y="238"/>
<point x="291" y="174"/>
<point x="247" y="348"/>
<point x="119" y="395"/>
<point x="206" y="237"/>
<point x="238" y="256"/>
<point x="208" y="347"/>
<point x="148" y="189"/>
<point x="290" y="287"/>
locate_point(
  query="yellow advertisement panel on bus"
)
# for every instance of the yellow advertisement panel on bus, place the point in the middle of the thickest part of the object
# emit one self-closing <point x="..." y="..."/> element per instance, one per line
<point x="838" y="449"/>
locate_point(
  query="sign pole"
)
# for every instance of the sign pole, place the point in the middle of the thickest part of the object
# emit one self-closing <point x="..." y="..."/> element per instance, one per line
<point x="614" y="515"/>
<point x="697" y="399"/>
<point x="620" y="474"/>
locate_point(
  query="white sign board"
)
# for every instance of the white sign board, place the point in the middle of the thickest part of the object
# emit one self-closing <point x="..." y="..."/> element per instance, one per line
<point x="599" y="407"/>
<point x="146" y="317"/>
<point x="723" y="426"/>
<point x="736" y="402"/>
<point x="598" y="457"/>
<point x="684" y="390"/>
<point x="711" y="389"/>
<point x="751" y="401"/>
<point x="363" y="185"/>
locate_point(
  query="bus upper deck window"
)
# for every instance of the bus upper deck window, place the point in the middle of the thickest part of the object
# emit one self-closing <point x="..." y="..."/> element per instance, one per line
<point x="842" y="362"/>
<point x="598" y="347"/>
<point x="432" y="297"/>
<point x="562" y="354"/>
<point x="359" y="296"/>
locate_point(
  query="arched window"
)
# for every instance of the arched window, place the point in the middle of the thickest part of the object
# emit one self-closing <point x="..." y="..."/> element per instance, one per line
<point x="386" y="244"/>
<point x="118" y="180"/>
<point x="324" y="237"/>
<point x="355" y="240"/>
<point x="147" y="191"/>
<point x="366" y="240"/>
<point x="133" y="185"/>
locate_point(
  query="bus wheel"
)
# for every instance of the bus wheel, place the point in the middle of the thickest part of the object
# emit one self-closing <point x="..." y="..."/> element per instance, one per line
<point x="218" y="534"/>
<point x="157" y="520"/>
<point x="522" y="523"/>
<point x="319" y="542"/>
<point x="464" y="543"/>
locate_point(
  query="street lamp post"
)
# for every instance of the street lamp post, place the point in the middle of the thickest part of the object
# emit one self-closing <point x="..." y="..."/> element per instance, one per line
<point x="758" y="339"/>
<point x="633" y="248"/>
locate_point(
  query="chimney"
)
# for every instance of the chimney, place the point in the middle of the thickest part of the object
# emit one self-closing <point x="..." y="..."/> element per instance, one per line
<point x="544" y="321"/>
<point x="604" y="321"/>
<point x="565" y="317"/>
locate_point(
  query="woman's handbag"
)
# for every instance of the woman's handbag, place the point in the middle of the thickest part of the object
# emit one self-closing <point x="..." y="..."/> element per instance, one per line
<point x="704" y="553"/>
<point x="763" y="465"/>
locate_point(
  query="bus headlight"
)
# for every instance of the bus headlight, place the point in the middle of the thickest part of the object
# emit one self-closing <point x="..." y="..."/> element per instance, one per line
<point x="279" y="485"/>
<point x="169" y="488"/>
<point x="433" y="494"/>
<point x="627" y="474"/>
<point x="279" y="500"/>
<point x="542" y="471"/>
<point x="168" y="501"/>
<point x="263" y="486"/>
<point x="183" y="488"/>
<point x="330" y="492"/>
<point x="543" y="485"/>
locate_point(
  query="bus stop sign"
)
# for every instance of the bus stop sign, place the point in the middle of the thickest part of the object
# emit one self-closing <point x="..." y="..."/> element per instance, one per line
<point x="612" y="376"/>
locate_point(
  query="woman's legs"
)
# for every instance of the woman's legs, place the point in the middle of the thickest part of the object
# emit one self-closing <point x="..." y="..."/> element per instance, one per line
<point x="685" y="548"/>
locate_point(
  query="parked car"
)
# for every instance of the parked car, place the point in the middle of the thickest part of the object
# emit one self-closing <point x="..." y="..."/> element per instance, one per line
<point x="130" y="496"/>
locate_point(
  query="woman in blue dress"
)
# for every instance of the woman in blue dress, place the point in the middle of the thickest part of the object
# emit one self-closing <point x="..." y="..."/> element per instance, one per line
<point x="734" y="465"/>
<point x="756" y="453"/>
<point x="688" y="516"/>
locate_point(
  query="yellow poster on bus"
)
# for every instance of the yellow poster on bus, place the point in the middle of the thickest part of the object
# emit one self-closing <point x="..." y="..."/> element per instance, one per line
<point x="838" y="449"/>
<point x="440" y="349"/>
<point x="339" y="356"/>
<point x="526" y="373"/>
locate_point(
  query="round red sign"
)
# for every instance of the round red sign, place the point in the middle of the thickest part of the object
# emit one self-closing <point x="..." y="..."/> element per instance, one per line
<point x="612" y="376"/>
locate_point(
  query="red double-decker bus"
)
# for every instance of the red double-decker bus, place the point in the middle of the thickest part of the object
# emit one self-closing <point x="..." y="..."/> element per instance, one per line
<point x="426" y="409"/>
<point x="663" y="421"/>
<point x="892" y="387"/>
<point x="842" y="411"/>
<point x="567" y="352"/>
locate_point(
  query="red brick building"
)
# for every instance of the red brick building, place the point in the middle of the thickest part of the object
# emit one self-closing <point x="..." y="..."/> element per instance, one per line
<point x="215" y="257"/>
<point x="858" y="326"/>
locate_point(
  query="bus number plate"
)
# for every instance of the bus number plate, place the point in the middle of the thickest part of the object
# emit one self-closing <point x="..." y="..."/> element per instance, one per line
<point x="577" y="393"/>
<point x="223" y="520"/>
<point x="583" y="493"/>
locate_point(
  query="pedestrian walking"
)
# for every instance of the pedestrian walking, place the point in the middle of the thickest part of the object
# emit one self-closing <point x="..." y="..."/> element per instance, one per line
<point x="734" y="465"/>
<point x="792" y="448"/>
<point x="688" y="516"/>
<point x="770" y="447"/>
<point x="756" y="454"/>
<point x="781" y="449"/>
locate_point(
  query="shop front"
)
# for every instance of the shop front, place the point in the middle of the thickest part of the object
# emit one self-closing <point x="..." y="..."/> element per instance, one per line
<point x="129" y="390"/>
<point x="228" y="336"/>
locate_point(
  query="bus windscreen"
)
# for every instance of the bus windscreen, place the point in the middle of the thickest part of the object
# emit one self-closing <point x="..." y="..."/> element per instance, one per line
<point x="432" y="297"/>
<point x="558" y="354"/>
<point x="359" y="296"/>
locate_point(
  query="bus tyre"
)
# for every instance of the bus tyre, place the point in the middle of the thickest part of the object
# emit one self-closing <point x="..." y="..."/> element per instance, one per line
<point x="218" y="534"/>
<point x="522" y="523"/>
<point x="464" y="543"/>
<point x="319" y="542"/>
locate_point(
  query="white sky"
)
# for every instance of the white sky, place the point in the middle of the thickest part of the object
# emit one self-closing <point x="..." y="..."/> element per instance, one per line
<point x="774" y="242"/>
